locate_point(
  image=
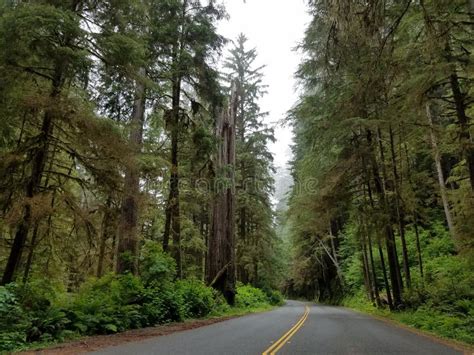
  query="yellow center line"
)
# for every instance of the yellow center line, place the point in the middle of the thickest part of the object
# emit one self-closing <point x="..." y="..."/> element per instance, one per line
<point x="287" y="336"/>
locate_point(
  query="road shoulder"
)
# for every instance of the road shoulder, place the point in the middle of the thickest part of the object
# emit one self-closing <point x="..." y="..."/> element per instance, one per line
<point x="455" y="344"/>
<point x="97" y="342"/>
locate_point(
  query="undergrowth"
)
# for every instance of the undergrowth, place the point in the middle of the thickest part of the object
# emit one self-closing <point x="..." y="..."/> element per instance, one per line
<point x="38" y="313"/>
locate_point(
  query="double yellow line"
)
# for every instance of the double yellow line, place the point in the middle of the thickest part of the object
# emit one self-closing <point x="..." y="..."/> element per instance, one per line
<point x="287" y="336"/>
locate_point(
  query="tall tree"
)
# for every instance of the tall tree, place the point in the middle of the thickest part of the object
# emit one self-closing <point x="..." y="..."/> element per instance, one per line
<point x="43" y="40"/>
<point x="221" y="253"/>
<point x="256" y="240"/>
<point x="189" y="40"/>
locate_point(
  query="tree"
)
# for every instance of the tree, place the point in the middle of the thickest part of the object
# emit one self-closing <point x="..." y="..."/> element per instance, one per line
<point x="256" y="239"/>
<point x="221" y="254"/>
<point x="189" y="39"/>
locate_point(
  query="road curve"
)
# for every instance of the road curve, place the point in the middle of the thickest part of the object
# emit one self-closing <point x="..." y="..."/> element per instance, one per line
<point x="296" y="328"/>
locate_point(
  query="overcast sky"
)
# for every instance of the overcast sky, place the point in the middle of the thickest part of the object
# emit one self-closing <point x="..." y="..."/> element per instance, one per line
<point x="274" y="28"/>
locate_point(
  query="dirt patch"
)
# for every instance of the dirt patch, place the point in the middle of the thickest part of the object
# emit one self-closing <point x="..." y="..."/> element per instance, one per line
<point x="97" y="342"/>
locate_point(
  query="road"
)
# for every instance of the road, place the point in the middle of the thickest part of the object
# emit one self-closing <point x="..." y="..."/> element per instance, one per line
<point x="296" y="328"/>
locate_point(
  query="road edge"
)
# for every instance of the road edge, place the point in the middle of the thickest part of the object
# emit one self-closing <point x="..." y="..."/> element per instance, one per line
<point x="465" y="348"/>
<point x="96" y="342"/>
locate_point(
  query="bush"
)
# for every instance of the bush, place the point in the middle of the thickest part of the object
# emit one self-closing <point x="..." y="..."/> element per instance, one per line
<point x="14" y="322"/>
<point x="155" y="265"/>
<point x="275" y="298"/>
<point x="107" y="305"/>
<point x="42" y="303"/>
<point x="450" y="326"/>
<point x="220" y="305"/>
<point x="162" y="304"/>
<point x="248" y="296"/>
<point x="198" y="299"/>
<point x="41" y="312"/>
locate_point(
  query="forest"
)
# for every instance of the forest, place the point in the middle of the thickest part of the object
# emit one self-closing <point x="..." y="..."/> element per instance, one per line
<point x="137" y="186"/>
<point x="382" y="209"/>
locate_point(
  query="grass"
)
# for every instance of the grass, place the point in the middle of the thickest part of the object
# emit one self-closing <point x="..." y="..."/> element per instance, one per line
<point x="237" y="311"/>
<point x="447" y="326"/>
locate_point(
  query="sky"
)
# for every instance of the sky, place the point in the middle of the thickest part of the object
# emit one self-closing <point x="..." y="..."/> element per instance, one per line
<point x="274" y="28"/>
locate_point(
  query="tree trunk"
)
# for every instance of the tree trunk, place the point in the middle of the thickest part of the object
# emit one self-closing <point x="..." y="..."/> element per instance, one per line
<point x="379" y="246"/>
<point x="29" y="259"/>
<point x="439" y="170"/>
<point x="366" y="270"/>
<point x="392" y="256"/>
<point x="385" y="277"/>
<point x="105" y="235"/>
<point x="174" y="182"/>
<point x="172" y="219"/>
<point x="166" y="232"/>
<point x="418" y="247"/>
<point x="400" y="212"/>
<point x="221" y="255"/>
<point x="374" y="273"/>
<point x="128" y="238"/>
<point x="467" y="146"/>
<point x="38" y="158"/>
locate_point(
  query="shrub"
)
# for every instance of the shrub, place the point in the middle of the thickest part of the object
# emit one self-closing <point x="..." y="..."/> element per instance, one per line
<point x="162" y="304"/>
<point x="220" y="305"/>
<point x="275" y="298"/>
<point x="40" y="312"/>
<point x="155" y="265"/>
<point x="107" y="305"/>
<point x="41" y="302"/>
<point x="248" y="296"/>
<point x="14" y="322"/>
<point x="198" y="298"/>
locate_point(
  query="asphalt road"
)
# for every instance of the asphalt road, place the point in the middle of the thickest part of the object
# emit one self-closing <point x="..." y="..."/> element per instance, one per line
<point x="296" y="328"/>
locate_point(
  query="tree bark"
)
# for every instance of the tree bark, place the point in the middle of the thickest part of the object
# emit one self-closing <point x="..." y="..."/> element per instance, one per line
<point x="467" y="146"/>
<point x="374" y="273"/>
<point x="439" y="170"/>
<point x="392" y="256"/>
<point x="172" y="219"/>
<point x="105" y="235"/>
<point x="400" y="212"/>
<point x="366" y="270"/>
<point x="379" y="246"/>
<point x="221" y="254"/>
<point x="418" y="247"/>
<point x="128" y="238"/>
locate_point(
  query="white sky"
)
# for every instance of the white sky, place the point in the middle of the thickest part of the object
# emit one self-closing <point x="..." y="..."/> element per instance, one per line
<point x="274" y="28"/>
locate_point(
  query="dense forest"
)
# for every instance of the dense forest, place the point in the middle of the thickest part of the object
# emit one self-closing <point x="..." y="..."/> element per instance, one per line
<point x="382" y="207"/>
<point x="137" y="186"/>
<point x="112" y="186"/>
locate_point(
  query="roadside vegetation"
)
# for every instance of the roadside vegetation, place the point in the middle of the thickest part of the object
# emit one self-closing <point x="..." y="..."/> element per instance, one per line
<point x="42" y="313"/>
<point x="440" y="302"/>
<point x="381" y="215"/>
<point x="135" y="173"/>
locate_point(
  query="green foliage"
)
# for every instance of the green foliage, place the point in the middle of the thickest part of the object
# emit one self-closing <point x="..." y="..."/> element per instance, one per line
<point x="14" y="322"/>
<point x="162" y="304"/>
<point x="275" y="297"/>
<point x="74" y="81"/>
<point x="198" y="299"/>
<point x="449" y="325"/>
<point x="39" y="312"/>
<point x="108" y="305"/>
<point x="155" y="265"/>
<point x="441" y="302"/>
<point x="249" y="296"/>
<point x="386" y="220"/>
